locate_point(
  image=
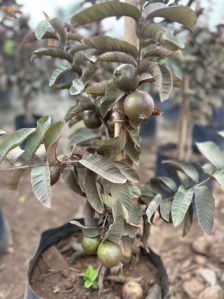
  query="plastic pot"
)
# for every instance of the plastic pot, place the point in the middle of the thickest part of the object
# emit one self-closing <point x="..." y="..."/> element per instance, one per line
<point x="202" y="133"/>
<point x="53" y="236"/>
<point x="5" y="234"/>
<point x="22" y="122"/>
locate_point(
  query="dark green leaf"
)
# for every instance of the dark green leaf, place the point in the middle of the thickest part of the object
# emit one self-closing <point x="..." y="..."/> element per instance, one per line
<point x="51" y="138"/>
<point x="77" y="87"/>
<point x="134" y="135"/>
<point x="153" y="206"/>
<point x="117" y="57"/>
<point x="181" y="14"/>
<point x="83" y="104"/>
<point x="83" y="135"/>
<point x="168" y="182"/>
<point x="13" y="140"/>
<point x="205" y="207"/>
<point x="72" y="182"/>
<point x="99" y="89"/>
<point x="52" y="52"/>
<point x="111" y="147"/>
<point x="212" y="152"/>
<point x="103" y="167"/>
<point x="127" y="171"/>
<point x="109" y="44"/>
<point x="107" y="9"/>
<point x="112" y="96"/>
<point x="180" y="205"/>
<point x="165" y="209"/>
<point x="132" y="151"/>
<point x="58" y="73"/>
<point x="188" y="169"/>
<point x="36" y="138"/>
<point x="92" y="192"/>
<point x="41" y="185"/>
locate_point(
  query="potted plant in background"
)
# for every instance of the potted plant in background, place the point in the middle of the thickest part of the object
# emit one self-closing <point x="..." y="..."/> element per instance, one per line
<point x="99" y="166"/>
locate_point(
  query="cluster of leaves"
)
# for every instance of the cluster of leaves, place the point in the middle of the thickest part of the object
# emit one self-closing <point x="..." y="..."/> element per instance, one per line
<point x="204" y="62"/>
<point x="90" y="278"/>
<point x="92" y="169"/>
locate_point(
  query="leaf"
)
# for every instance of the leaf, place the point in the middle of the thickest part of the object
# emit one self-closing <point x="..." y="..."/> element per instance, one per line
<point x="109" y="44"/>
<point x="103" y="167"/>
<point x="58" y="73"/>
<point x="41" y="185"/>
<point x="188" y="169"/>
<point x="83" y="135"/>
<point x="36" y="138"/>
<point x="165" y="209"/>
<point x="90" y="274"/>
<point x="134" y="135"/>
<point x="107" y="9"/>
<point x="212" y="152"/>
<point x="163" y="80"/>
<point x="181" y="14"/>
<point x="92" y="192"/>
<point x="77" y="48"/>
<point x="188" y="220"/>
<point x="132" y="151"/>
<point x="14" y="154"/>
<point x="83" y="104"/>
<point x="72" y="182"/>
<point x="2" y="132"/>
<point x="91" y="232"/>
<point x="205" y="207"/>
<point x="77" y="87"/>
<point x="14" y="180"/>
<point x="219" y="177"/>
<point x="112" y="96"/>
<point x="180" y="205"/>
<point x="153" y="206"/>
<point x="162" y="36"/>
<point x="98" y="89"/>
<point x="127" y="171"/>
<point x="51" y="138"/>
<point x="52" y="52"/>
<point x="117" y="57"/>
<point x="167" y="182"/>
<point x="13" y="140"/>
<point x="111" y="147"/>
<point x="42" y="28"/>
<point x="59" y="28"/>
<point x="115" y="231"/>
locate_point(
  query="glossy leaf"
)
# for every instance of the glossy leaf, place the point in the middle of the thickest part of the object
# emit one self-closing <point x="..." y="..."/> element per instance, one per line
<point x="109" y="44"/>
<point x="103" y="167"/>
<point x="36" y="138"/>
<point x="117" y="57"/>
<point x="83" y="135"/>
<point x="181" y="14"/>
<point x="58" y="73"/>
<point x="99" y="89"/>
<point x="92" y="192"/>
<point x="188" y="169"/>
<point x="112" y="96"/>
<point x="212" y="152"/>
<point x="13" y="140"/>
<point x="205" y="207"/>
<point x="41" y="185"/>
<point x="153" y="206"/>
<point x="14" y="180"/>
<point x="180" y="205"/>
<point x="51" y="138"/>
<point x="52" y="52"/>
<point x="77" y="87"/>
<point x="104" y="10"/>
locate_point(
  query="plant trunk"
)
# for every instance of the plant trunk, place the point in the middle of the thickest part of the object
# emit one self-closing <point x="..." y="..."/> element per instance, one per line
<point x="185" y="124"/>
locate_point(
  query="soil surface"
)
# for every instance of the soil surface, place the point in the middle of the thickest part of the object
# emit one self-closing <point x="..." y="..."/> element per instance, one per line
<point x="63" y="279"/>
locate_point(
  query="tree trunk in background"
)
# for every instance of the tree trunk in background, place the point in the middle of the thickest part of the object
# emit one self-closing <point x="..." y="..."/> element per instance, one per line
<point x="185" y="124"/>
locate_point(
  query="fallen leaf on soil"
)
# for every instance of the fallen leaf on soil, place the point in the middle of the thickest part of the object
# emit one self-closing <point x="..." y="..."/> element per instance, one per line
<point x="214" y="292"/>
<point x="193" y="287"/>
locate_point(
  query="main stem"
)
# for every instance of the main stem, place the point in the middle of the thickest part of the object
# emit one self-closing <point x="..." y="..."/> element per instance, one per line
<point x="130" y="37"/>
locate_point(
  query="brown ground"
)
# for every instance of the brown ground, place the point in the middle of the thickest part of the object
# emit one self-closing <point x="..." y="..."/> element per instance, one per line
<point x="195" y="264"/>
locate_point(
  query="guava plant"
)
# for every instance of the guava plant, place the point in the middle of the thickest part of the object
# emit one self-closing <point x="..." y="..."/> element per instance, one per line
<point x="104" y="143"/>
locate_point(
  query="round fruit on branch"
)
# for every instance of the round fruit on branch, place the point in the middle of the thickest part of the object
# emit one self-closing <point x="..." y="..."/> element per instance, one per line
<point x="126" y="77"/>
<point x="138" y="106"/>
<point x="90" y="245"/>
<point x="91" y="119"/>
<point x="109" y="254"/>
